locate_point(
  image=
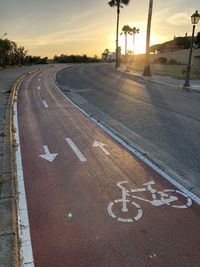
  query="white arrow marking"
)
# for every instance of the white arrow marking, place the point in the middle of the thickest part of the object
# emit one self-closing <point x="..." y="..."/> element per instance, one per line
<point x="45" y="104"/>
<point x="75" y="149"/>
<point x="48" y="156"/>
<point x="101" y="146"/>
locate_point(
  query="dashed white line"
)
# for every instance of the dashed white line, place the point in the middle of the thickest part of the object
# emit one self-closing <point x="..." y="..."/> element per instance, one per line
<point x="75" y="149"/>
<point x="38" y="87"/>
<point x="45" y="104"/>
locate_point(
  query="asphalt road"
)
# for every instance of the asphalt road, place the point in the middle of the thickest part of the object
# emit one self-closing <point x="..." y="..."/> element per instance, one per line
<point x="162" y="121"/>
<point x="80" y="212"/>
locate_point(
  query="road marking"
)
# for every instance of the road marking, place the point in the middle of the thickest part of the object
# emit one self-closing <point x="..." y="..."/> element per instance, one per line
<point x="39" y="87"/>
<point x="75" y="149"/>
<point x="45" y="104"/>
<point x="23" y="220"/>
<point x="129" y="147"/>
<point x="48" y="156"/>
<point x="159" y="198"/>
<point x="101" y="146"/>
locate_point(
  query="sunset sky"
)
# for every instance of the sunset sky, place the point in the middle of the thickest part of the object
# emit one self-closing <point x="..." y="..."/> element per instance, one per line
<point x="49" y="27"/>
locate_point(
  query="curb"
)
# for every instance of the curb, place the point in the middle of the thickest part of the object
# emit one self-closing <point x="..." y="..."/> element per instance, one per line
<point x="9" y="244"/>
<point x="14" y="89"/>
<point x="189" y="89"/>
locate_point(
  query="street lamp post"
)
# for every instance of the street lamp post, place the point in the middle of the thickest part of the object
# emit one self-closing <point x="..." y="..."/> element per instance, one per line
<point x="194" y="19"/>
<point x="147" y="69"/>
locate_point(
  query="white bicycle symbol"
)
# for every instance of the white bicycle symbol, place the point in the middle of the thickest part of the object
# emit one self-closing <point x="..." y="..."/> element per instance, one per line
<point x="164" y="199"/>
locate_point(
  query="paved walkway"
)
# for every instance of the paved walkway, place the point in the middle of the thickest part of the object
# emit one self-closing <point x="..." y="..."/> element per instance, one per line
<point x="8" y="237"/>
<point x="165" y="80"/>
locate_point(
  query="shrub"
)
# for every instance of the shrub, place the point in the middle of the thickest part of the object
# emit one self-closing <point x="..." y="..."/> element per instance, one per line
<point x="160" y="60"/>
<point x="173" y="62"/>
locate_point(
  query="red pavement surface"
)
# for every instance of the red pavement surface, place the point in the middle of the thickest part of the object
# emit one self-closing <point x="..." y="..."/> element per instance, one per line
<point x="164" y="236"/>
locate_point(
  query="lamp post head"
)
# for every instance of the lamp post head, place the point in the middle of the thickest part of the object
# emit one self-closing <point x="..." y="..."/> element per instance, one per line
<point x="195" y="18"/>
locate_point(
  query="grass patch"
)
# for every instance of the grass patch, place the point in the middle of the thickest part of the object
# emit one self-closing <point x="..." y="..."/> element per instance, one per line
<point x="176" y="71"/>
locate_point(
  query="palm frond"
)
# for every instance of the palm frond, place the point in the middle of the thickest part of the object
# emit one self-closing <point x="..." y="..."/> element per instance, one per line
<point x="125" y="2"/>
<point x="113" y="3"/>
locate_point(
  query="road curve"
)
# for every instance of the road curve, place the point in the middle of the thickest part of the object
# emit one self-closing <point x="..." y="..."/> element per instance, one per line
<point x="72" y="173"/>
<point x="163" y="121"/>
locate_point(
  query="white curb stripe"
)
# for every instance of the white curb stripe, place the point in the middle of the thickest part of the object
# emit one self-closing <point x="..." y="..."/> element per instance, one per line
<point x="23" y="221"/>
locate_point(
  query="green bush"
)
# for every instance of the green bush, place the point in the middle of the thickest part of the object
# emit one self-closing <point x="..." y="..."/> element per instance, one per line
<point x="173" y="62"/>
<point x="160" y="60"/>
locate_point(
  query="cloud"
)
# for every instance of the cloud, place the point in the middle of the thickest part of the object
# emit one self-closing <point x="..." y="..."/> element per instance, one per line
<point x="179" y="19"/>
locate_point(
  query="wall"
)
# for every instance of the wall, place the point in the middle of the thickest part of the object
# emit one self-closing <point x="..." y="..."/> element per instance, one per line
<point x="181" y="56"/>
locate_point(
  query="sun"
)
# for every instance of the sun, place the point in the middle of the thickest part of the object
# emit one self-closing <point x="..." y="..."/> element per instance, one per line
<point x="139" y="43"/>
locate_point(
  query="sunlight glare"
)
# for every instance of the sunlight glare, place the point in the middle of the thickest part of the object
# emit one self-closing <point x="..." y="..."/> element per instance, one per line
<point x="140" y="42"/>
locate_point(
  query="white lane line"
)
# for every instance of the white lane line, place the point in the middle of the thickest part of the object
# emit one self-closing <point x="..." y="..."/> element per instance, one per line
<point x="130" y="148"/>
<point x="45" y="104"/>
<point x="23" y="220"/>
<point x="75" y="149"/>
<point x="38" y="87"/>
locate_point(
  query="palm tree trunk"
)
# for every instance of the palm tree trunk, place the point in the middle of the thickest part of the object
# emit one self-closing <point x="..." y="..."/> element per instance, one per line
<point x="117" y="38"/>
<point x="133" y="46"/>
<point x="125" y="44"/>
<point x="147" y="68"/>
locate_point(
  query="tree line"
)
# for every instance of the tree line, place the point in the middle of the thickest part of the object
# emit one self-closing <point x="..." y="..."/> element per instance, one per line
<point x="13" y="55"/>
<point x="75" y="59"/>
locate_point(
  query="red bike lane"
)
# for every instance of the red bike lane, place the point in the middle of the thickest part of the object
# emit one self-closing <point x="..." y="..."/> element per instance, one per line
<point x="93" y="203"/>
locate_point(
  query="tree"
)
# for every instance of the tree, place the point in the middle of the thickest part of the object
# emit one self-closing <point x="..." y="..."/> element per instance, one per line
<point x="118" y="4"/>
<point x="126" y="30"/>
<point x="183" y="42"/>
<point x="75" y="59"/>
<point x="12" y="55"/>
<point x="134" y="31"/>
<point x="147" y="68"/>
<point x="5" y="52"/>
<point x="105" y="54"/>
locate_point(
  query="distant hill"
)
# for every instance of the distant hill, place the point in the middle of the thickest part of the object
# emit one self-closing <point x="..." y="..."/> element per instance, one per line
<point x="178" y="43"/>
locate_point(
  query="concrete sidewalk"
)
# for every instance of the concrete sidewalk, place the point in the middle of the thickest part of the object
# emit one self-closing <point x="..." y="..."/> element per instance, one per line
<point x="165" y="80"/>
<point x="9" y="252"/>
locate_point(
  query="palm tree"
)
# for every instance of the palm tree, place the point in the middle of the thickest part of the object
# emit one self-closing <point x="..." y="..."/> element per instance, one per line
<point x="118" y="4"/>
<point x="126" y="30"/>
<point x="134" y="31"/>
<point x="147" y="68"/>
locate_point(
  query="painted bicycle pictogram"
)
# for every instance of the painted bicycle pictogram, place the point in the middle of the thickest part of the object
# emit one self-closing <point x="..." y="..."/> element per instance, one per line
<point x="169" y="197"/>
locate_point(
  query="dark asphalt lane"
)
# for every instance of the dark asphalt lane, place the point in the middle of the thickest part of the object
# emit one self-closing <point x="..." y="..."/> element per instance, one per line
<point x="164" y="121"/>
<point x="75" y="205"/>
